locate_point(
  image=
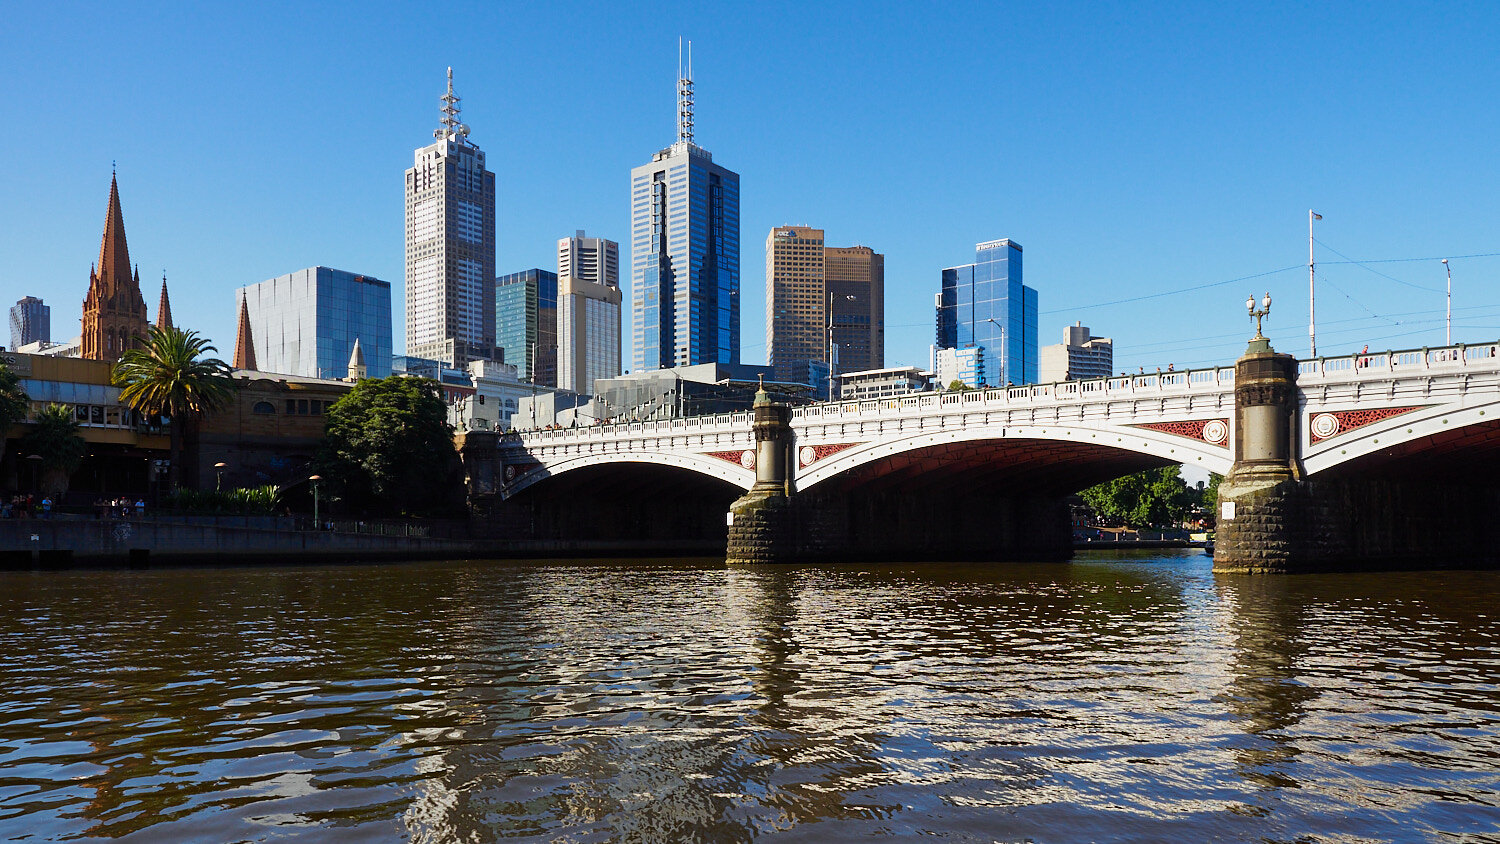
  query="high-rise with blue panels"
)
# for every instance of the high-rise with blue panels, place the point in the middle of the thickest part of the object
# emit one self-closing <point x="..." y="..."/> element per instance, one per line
<point x="984" y="305"/>
<point x="305" y="323"/>
<point x="684" y="253"/>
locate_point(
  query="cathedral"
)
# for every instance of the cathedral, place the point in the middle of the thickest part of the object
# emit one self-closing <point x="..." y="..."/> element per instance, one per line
<point x="114" y="314"/>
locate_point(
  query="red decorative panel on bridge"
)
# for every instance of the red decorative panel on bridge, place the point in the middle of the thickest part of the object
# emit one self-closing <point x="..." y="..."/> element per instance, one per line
<point x="514" y="471"/>
<point x="742" y="457"/>
<point x="810" y="454"/>
<point x="1329" y="425"/>
<point x="1211" y="431"/>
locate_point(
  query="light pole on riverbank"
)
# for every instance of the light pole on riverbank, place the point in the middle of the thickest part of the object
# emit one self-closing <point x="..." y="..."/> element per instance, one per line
<point x="315" y="479"/>
<point x="219" y="470"/>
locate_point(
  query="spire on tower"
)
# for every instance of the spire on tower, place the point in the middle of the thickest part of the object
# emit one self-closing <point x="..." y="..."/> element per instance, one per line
<point x="244" y="345"/>
<point x="685" y="94"/>
<point x="164" y="308"/>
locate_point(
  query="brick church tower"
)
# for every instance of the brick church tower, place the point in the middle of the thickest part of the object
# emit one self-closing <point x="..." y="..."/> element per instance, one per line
<point x="114" y="314"/>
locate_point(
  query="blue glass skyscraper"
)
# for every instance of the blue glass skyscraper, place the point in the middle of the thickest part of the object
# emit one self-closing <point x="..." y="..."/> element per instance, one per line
<point x="984" y="305"/>
<point x="305" y="323"/>
<point x="684" y="253"/>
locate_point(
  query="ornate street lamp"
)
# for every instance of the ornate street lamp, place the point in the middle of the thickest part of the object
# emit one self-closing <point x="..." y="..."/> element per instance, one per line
<point x="1264" y="310"/>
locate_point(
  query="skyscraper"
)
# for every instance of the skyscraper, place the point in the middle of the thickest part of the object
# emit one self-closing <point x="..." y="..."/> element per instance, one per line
<point x="307" y="322"/>
<point x="30" y="322"/>
<point x="588" y="311"/>
<point x="985" y="306"/>
<point x="796" y="302"/>
<point x="114" y="314"/>
<point x="526" y="323"/>
<point x="450" y="246"/>
<point x="685" y="252"/>
<point x="824" y="305"/>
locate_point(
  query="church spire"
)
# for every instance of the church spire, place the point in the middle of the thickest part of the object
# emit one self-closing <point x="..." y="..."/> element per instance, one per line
<point x="164" y="308"/>
<point x="244" y="346"/>
<point x="114" y="314"/>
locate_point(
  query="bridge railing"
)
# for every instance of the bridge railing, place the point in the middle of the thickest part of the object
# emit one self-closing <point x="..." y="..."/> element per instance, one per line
<point x="1443" y="358"/>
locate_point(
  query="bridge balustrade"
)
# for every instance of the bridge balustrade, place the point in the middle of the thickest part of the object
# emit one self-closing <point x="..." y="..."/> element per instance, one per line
<point x="1409" y="360"/>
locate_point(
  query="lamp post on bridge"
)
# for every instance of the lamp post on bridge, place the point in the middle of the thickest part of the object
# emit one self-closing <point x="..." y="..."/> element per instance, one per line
<point x="317" y="525"/>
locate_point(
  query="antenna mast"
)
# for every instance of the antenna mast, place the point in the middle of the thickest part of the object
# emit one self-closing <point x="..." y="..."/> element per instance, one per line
<point x="685" y="95"/>
<point x="450" y="121"/>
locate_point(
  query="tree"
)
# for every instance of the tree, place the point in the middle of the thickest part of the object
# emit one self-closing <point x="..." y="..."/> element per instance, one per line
<point x="388" y="449"/>
<point x="13" y="403"/>
<point x="957" y="385"/>
<point x="1210" y="500"/>
<point x="170" y="377"/>
<point x="1153" y="498"/>
<point x="54" y="437"/>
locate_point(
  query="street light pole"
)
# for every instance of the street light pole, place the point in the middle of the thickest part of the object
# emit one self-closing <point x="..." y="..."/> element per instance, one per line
<point x="317" y="524"/>
<point x="219" y="470"/>
<point x="1448" y="336"/>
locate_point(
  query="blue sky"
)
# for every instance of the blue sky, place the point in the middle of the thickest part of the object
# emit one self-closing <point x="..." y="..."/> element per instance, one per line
<point x="1142" y="154"/>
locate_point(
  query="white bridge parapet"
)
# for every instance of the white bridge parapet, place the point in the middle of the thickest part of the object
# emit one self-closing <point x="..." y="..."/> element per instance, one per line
<point x="1185" y="417"/>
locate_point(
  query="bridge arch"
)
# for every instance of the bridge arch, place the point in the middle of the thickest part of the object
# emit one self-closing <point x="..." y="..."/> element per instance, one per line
<point x="1063" y="457"/>
<point x="1457" y="438"/>
<point x="733" y="474"/>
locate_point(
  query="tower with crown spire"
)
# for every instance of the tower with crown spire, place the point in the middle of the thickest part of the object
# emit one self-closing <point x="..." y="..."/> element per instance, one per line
<point x="450" y="246"/>
<point x="685" y="250"/>
<point x="114" y="314"/>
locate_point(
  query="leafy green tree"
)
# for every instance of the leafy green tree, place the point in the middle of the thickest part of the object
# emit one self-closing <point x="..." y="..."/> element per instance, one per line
<point x="13" y="403"/>
<point x="54" y="437"/>
<point x="958" y="386"/>
<point x="1153" y="498"/>
<point x="1210" y="499"/>
<point x="388" y="449"/>
<point x="171" y="377"/>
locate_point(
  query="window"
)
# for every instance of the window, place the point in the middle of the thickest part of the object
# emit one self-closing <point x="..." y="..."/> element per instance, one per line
<point x="263" y="407"/>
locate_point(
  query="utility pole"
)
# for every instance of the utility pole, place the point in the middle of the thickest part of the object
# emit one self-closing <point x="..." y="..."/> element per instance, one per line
<point x="1448" y="336"/>
<point x="1312" y="334"/>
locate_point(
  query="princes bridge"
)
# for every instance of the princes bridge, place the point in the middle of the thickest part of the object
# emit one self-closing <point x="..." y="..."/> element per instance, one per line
<point x="1383" y="459"/>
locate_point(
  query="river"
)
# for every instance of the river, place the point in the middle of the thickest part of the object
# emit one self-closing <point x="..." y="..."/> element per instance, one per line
<point x="1114" y="698"/>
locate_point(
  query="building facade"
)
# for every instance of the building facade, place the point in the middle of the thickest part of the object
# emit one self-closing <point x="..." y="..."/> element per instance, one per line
<point x="588" y="311"/>
<point x="856" y="287"/>
<point x="450" y="246"/>
<point x="884" y="383"/>
<point x="824" y="305"/>
<point x="526" y="323"/>
<point x="592" y="259"/>
<point x="307" y="322"/>
<point x="796" y="304"/>
<point x="588" y="333"/>
<point x="984" y="305"/>
<point x="114" y="314"/>
<point x="1079" y="357"/>
<point x="684" y="253"/>
<point x="30" y="322"/>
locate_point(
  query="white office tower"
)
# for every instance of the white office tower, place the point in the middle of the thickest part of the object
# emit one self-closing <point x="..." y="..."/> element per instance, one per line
<point x="1080" y="357"/>
<point x="588" y="312"/>
<point x="450" y="246"/>
<point x="589" y="259"/>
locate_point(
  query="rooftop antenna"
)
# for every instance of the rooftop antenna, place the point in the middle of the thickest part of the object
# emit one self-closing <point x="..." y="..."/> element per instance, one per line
<point x="450" y="121"/>
<point x="685" y="94"/>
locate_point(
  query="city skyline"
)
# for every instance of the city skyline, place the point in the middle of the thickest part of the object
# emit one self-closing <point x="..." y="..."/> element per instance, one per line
<point x="1140" y="170"/>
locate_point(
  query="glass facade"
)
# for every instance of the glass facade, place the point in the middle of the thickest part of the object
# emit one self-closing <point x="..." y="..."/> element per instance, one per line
<point x="30" y="322"/>
<point x="685" y="260"/>
<point x="304" y="323"/>
<point x="526" y="320"/>
<point x="984" y="305"/>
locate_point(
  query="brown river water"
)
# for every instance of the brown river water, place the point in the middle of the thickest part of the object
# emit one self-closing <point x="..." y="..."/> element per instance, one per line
<point x="1114" y="698"/>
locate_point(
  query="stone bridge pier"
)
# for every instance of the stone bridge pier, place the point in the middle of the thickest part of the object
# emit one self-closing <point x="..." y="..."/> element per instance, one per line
<point x="1400" y="509"/>
<point x="867" y="521"/>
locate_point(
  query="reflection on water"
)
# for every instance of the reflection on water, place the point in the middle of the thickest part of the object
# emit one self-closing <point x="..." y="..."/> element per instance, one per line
<point x="1108" y="699"/>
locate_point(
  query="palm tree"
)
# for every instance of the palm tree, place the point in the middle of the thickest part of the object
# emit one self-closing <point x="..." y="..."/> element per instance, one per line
<point x="54" y="437"/>
<point x="168" y="377"/>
